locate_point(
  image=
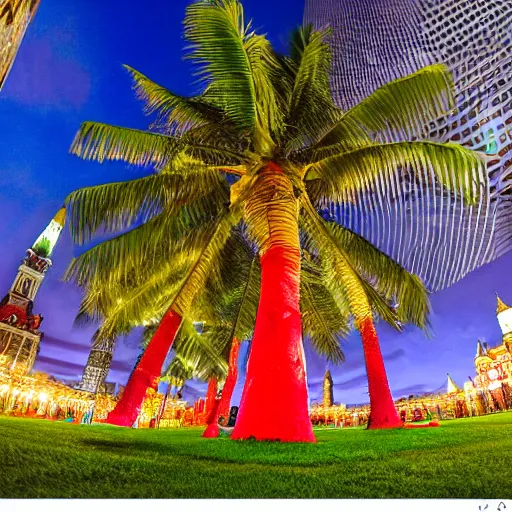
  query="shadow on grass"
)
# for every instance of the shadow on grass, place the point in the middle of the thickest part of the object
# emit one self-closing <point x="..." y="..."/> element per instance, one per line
<point x="219" y="451"/>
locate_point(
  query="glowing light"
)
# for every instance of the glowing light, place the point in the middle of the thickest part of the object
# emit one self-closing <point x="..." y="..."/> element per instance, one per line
<point x="43" y="397"/>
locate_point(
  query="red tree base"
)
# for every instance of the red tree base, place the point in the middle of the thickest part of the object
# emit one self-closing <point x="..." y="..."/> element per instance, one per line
<point x="382" y="408"/>
<point x="276" y="363"/>
<point x="119" y="420"/>
<point x="146" y="373"/>
<point x="385" y="423"/>
<point x="211" y="431"/>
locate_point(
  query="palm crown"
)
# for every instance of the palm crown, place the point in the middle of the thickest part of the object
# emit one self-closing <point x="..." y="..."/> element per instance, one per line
<point x="261" y="150"/>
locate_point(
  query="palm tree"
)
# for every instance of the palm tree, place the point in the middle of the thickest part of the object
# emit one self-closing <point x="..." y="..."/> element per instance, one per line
<point x="263" y="147"/>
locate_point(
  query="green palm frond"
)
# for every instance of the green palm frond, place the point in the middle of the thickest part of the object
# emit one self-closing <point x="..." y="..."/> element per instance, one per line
<point x="322" y="320"/>
<point x="385" y="275"/>
<point x="152" y="289"/>
<point x="341" y="276"/>
<point x="113" y="259"/>
<point x="121" y="308"/>
<point x="178" y="113"/>
<point x="236" y="64"/>
<point x="179" y="371"/>
<point x="100" y="142"/>
<point x="156" y="240"/>
<point x="401" y="107"/>
<point x="203" y="266"/>
<point x="116" y="206"/>
<point x="311" y="108"/>
<point x="198" y="349"/>
<point x="344" y="175"/>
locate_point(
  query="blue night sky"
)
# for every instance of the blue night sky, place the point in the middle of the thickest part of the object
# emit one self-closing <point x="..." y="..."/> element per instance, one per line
<point x="68" y="70"/>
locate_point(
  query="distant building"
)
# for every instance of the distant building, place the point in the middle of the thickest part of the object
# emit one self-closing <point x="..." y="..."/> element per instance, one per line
<point x="19" y="327"/>
<point x="98" y="365"/>
<point x="492" y="387"/>
<point x="377" y="41"/>
<point x="328" y="390"/>
<point x="15" y="17"/>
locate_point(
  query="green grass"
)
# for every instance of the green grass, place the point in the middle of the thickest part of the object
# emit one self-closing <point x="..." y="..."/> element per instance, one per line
<point x="468" y="458"/>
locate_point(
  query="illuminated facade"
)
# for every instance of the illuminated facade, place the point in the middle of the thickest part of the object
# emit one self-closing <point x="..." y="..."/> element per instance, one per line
<point x="492" y="387"/>
<point x="377" y="41"/>
<point x="19" y="327"/>
<point x="15" y="16"/>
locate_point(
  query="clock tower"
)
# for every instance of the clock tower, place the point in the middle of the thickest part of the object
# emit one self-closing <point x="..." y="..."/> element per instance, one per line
<point x="19" y="328"/>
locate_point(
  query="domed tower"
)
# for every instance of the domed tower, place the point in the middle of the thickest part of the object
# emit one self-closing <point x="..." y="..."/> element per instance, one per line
<point x="19" y="328"/>
<point x="504" y="314"/>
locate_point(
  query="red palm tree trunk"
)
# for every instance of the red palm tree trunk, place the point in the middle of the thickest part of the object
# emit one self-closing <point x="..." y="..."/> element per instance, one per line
<point x="274" y="402"/>
<point x="212" y="410"/>
<point x="229" y="385"/>
<point x="382" y="408"/>
<point x="147" y="371"/>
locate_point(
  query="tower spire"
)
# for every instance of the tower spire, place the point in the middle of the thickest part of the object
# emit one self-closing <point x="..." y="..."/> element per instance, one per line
<point x="504" y="314"/>
<point x="501" y="306"/>
<point x="47" y="240"/>
<point x="480" y="351"/>
<point x="451" y="386"/>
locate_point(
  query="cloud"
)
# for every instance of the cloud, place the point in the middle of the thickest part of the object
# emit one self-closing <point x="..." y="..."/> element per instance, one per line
<point x="395" y="355"/>
<point x="41" y="78"/>
<point x="353" y="383"/>
<point x="413" y="389"/>
<point x="50" y="342"/>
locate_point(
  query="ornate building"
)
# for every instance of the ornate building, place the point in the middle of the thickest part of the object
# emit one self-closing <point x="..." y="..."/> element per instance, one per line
<point x="15" y="16"/>
<point x="98" y="364"/>
<point x="492" y="387"/>
<point x="377" y="41"/>
<point x="19" y="327"/>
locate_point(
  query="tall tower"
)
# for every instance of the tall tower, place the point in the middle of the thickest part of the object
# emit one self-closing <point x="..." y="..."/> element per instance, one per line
<point x="377" y="41"/>
<point x="504" y="314"/>
<point x="328" y="392"/>
<point x="19" y="328"/>
<point x="98" y="364"/>
<point x="15" y="16"/>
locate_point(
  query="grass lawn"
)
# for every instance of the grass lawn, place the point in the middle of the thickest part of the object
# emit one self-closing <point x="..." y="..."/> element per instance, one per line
<point x="467" y="458"/>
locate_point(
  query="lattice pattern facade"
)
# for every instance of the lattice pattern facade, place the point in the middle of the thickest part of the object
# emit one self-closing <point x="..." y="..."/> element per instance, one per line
<point x="98" y="365"/>
<point x="15" y="16"/>
<point x="377" y="41"/>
